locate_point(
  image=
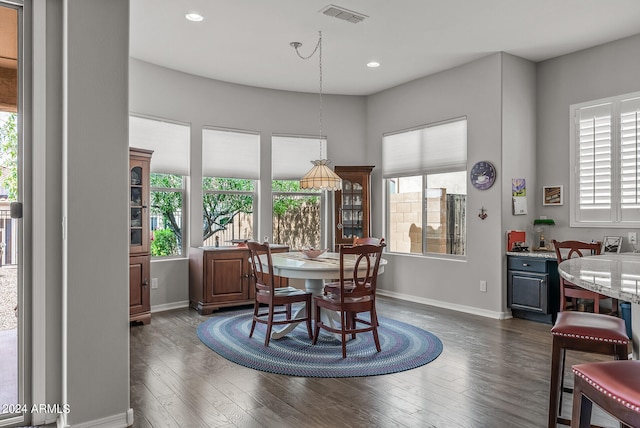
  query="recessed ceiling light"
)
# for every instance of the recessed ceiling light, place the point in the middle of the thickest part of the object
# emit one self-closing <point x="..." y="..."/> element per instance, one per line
<point x="373" y="64"/>
<point x="194" y="16"/>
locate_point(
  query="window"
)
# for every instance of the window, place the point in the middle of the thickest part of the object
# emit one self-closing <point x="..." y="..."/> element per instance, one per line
<point x="298" y="214"/>
<point x="230" y="169"/>
<point x="605" y="160"/>
<point x="426" y="186"/>
<point x="169" y="165"/>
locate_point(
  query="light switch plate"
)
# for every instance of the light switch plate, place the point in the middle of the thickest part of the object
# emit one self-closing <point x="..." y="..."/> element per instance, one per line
<point x="633" y="238"/>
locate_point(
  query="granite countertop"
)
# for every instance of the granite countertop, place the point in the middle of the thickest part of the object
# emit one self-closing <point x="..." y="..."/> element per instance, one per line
<point x="536" y="254"/>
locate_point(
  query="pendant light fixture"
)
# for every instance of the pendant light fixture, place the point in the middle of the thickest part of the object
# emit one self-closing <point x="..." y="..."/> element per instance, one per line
<point x="320" y="177"/>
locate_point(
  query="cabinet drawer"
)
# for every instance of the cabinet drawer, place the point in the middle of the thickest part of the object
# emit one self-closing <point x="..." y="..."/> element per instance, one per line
<point x="527" y="264"/>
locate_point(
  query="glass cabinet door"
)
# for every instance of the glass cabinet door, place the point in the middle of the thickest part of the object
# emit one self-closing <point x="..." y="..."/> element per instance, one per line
<point x="352" y="213"/>
<point x="352" y="204"/>
<point x="135" y="204"/>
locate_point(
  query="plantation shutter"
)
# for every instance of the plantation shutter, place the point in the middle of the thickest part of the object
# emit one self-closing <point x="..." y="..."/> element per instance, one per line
<point x="428" y="150"/>
<point x="594" y="156"/>
<point x="291" y="156"/>
<point x="630" y="159"/>
<point x="230" y="154"/>
<point x="168" y="140"/>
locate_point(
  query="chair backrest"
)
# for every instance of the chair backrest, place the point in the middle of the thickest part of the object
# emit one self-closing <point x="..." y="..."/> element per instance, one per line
<point x="264" y="277"/>
<point x="368" y="240"/>
<point x="568" y="249"/>
<point x="365" y="261"/>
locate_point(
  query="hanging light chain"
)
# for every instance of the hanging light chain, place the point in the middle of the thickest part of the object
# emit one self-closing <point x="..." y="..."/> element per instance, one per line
<point x="318" y="49"/>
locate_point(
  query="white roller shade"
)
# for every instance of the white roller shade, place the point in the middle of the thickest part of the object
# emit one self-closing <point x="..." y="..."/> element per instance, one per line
<point x="291" y="156"/>
<point x="230" y="154"/>
<point x="169" y="142"/>
<point x="432" y="149"/>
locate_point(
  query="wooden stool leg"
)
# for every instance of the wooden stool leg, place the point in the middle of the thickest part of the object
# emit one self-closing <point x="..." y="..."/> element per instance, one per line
<point x="582" y="406"/>
<point x="554" y="399"/>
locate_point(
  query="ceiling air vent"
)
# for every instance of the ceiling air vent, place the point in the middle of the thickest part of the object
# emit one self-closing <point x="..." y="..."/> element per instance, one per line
<point x="344" y="14"/>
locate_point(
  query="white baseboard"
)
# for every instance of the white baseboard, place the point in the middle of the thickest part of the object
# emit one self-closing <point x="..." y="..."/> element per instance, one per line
<point x="122" y="420"/>
<point x="170" y="306"/>
<point x="446" y="305"/>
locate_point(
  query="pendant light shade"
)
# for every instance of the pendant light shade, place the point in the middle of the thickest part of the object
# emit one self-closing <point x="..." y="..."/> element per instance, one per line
<point x="321" y="177"/>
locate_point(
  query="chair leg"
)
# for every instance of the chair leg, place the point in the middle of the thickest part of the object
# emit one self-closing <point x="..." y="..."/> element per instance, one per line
<point x="308" y="310"/>
<point x="316" y="331"/>
<point x="374" y="324"/>
<point x="256" y="306"/>
<point x="344" y="319"/>
<point x="556" y="359"/>
<point x="288" y="309"/>
<point x="269" y="325"/>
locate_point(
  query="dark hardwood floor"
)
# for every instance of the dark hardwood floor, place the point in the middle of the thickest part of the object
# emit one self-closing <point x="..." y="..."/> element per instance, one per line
<point x="491" y="373"/>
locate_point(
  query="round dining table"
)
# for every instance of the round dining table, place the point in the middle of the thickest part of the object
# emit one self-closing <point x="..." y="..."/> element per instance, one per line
<point x="314" y="272"/>
<point x="614" y="275"/>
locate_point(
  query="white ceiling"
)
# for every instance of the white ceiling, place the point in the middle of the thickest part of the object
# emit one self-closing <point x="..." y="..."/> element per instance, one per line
<point x="247" y="41"/>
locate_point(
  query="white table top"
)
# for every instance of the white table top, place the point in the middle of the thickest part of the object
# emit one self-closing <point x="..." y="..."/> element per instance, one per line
<point x="296" y="265"/>
<point x="614" y="275"/>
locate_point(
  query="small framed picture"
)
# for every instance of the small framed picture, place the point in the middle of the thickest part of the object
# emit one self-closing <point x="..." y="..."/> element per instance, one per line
<point x="552" y="195"/>
<point x="611" y="244"/>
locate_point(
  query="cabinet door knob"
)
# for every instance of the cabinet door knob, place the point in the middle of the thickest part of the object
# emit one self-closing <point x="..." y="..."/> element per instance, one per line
<point x="525" y="264"/>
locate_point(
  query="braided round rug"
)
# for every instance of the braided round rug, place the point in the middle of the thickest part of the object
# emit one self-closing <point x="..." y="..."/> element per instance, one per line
<point x="404" y="347"/>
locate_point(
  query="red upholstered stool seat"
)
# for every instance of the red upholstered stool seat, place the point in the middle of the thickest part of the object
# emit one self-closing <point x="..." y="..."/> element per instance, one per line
<point x="586" y="332"/>
<point x="612" y="385"/>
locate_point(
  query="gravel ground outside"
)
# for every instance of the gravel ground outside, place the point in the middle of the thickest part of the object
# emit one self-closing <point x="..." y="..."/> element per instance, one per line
<point x="8" y="297"/>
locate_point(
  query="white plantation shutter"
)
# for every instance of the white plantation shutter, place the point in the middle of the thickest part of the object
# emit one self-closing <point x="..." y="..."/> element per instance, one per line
<point x="605" y="157"/>
<point x="630" y="159"/>
<point x="595" y="167"/>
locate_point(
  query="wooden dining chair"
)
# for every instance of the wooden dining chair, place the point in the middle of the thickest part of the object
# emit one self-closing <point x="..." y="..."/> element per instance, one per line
<point x="570" y="292"/>
<point x="355" y="295"/>
<point x="370" y="240"/>
<point x="266" y="293"/>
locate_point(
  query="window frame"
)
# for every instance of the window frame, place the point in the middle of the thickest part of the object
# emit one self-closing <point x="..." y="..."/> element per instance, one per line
<point x="423" y="174"/>
<point x="324" y="219"/>
<point x="615" y="217"/>
<point x="183" y="214"/>
<point x="253" y="193"/>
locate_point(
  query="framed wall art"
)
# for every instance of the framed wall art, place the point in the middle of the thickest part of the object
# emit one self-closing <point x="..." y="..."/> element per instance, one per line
<point x="552" y="195"/>
<point x="611" y="244"/>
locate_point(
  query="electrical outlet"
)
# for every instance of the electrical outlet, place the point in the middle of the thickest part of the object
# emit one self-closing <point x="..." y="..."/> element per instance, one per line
<point x="154" y="283"/>
<point x="483" y="285"/>
<point x="633" y="238"/>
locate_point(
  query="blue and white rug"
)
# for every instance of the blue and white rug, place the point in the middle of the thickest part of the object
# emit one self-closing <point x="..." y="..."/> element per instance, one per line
<point x="404" y="347"/>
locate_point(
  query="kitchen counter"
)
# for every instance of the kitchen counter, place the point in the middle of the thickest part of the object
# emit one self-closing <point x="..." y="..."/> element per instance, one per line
<point x="537" y="254"/>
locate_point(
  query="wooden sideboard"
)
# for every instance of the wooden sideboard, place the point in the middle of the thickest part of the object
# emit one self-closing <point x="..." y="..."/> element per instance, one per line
<point x="222" y="277"/>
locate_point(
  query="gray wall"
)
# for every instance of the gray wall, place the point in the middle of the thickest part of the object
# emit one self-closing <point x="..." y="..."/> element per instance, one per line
<point x="95" y="169"/>
<point x="164" y="93"/>
<point x="603" y="71"/>
<point x="80" y="157"/>
<point x="472" y="90"/>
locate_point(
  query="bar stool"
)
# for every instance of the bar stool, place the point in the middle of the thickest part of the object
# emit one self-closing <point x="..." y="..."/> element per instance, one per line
<point x="613" y="385"/>
<point x="586" y="332"/>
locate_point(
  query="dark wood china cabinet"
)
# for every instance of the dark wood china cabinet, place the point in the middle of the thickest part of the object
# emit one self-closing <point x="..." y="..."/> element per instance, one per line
<point x="352" y="204"/>
<point x="139" y="236"/>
